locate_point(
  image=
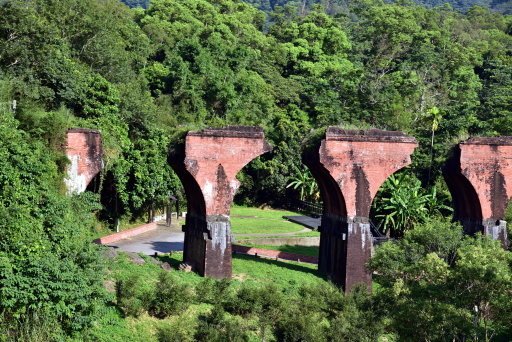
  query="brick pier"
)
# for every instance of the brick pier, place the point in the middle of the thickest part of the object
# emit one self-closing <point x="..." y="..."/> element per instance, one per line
<point x="477" y="175"/>
<point x="350" y="166"/>
<point x="207" y="163"/>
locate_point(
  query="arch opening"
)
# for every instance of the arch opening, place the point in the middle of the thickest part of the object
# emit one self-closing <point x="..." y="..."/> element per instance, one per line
<point x="465" y="200"/>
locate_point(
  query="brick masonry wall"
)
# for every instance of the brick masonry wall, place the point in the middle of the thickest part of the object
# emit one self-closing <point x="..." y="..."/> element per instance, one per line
<point x="360" y="163"/>
<point x="487" y="167"/>
<point x="84" y="151"/>
<point x="350" y="166"/>
<point x="211" y="160"/>
<point x="487" y="164"/>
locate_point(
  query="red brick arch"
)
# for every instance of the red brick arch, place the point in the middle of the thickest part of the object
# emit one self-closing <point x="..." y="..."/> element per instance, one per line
<point x="207" y="163"/>
<point x="350" y="166"/>
<point x="85" y="153"/>
<point x="479" y="176"/>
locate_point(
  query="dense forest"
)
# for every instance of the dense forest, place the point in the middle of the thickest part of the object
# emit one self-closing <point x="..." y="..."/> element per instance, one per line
<point x="143" y="76"/>
<point x="503" y="6"/>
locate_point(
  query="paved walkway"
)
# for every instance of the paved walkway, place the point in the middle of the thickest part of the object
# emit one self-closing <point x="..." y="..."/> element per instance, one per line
<point x="169" y="239"/>
<point x="306" y="221"/>
<point x="161" y="240"/>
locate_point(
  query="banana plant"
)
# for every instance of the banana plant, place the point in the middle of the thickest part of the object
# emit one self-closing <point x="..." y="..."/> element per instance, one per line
<point x="304" y="182"/>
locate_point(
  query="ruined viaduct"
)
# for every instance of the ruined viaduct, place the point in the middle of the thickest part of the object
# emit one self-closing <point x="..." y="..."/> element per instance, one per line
<point x="349" y="167"/>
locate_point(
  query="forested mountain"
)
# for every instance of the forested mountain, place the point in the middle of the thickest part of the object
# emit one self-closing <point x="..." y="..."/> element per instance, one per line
<point x="143" y="77"/>
<point x="136" y="3"/>
<point x="504" y="6"/>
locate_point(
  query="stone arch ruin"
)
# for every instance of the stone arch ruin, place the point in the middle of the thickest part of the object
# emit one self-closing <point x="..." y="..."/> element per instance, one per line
<point x="207" y="163"/>
<point x="350" y="166"/>
<point x="477" y="175"/>
<point x="85" y="153"/>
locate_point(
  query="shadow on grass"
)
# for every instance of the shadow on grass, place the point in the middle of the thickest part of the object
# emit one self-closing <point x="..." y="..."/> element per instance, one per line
<point x="172" y="260"/>
<point x="283" y="264"/>
<point x="298" y="249"/>
<point x="175" y="263"/>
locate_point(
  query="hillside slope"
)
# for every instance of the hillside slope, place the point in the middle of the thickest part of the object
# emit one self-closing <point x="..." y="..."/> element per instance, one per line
<point x="503" y="6"/>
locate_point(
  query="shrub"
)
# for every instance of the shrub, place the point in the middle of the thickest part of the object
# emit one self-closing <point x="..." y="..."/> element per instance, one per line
<point x="180" y="331"/>
<point x="296" y="324"/>
<point x="47" y="263"/>
<point x="132" y="298"/>
<point x="170" y="296"/>
<point x="35" y="326"/>
<point x="217" y="326"/>
<point x="213" y="291"/>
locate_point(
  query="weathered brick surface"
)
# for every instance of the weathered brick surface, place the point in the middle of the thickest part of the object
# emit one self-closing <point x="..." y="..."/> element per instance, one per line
<point x="84" y="151"/>
<point x="477" y="175"/>
<point x="349" y="167"/>
<point x="207" y="165"/>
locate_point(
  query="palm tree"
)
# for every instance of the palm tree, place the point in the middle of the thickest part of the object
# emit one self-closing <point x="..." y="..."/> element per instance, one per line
<point x="436" y="116"/>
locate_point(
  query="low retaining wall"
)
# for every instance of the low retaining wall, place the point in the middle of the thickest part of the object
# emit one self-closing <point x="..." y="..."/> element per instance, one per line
<point x="279" y="241"/>
<point x="268" y="253"/>
<point x="126" y="233"/>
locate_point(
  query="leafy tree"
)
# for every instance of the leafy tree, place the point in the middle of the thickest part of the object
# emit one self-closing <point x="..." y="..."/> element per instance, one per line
<point x="434" y="278"/>
<point x="47" y="263"/>
<point x="401" y="205"/>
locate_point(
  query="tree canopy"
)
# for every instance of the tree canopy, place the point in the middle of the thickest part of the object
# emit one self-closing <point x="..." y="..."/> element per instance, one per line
<point x="143" y="75"/>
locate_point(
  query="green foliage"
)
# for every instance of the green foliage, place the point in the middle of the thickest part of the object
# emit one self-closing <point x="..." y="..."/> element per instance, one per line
<point x="171" y="296"/>
<point x="143" y="77"/>
<point x="40" y="326"/>
<point x="508" y="218"/>
<point x="437" y="284"/>
<point x="175" y="333"/>
<point x="131" y="297"/>
<point x="402" y="203"/>
<point x="217" y="326"/>
<point x="46" y="261"/>
<point x="306" y="184"/>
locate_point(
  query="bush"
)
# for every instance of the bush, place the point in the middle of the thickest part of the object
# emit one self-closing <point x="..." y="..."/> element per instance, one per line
<point x="132" y="298"/>
<point x="47" y="263"/>
<point x="296" y="324"/>
<point x="357" y="320"/>
<point x="217" y="326"/>
<point x="213" y="291"/>
<point x="180" y="331"/>
<point x="36" y="326"/>
<point x="435" y="277"/>
<point x="170" y="297"/>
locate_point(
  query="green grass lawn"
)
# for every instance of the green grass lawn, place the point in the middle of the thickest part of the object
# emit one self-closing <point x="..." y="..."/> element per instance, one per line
<point x="287" y="275"/>
<point x="248" y="220"/>
<point x="297" y="249"/>
<point x="113" y="327"/>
